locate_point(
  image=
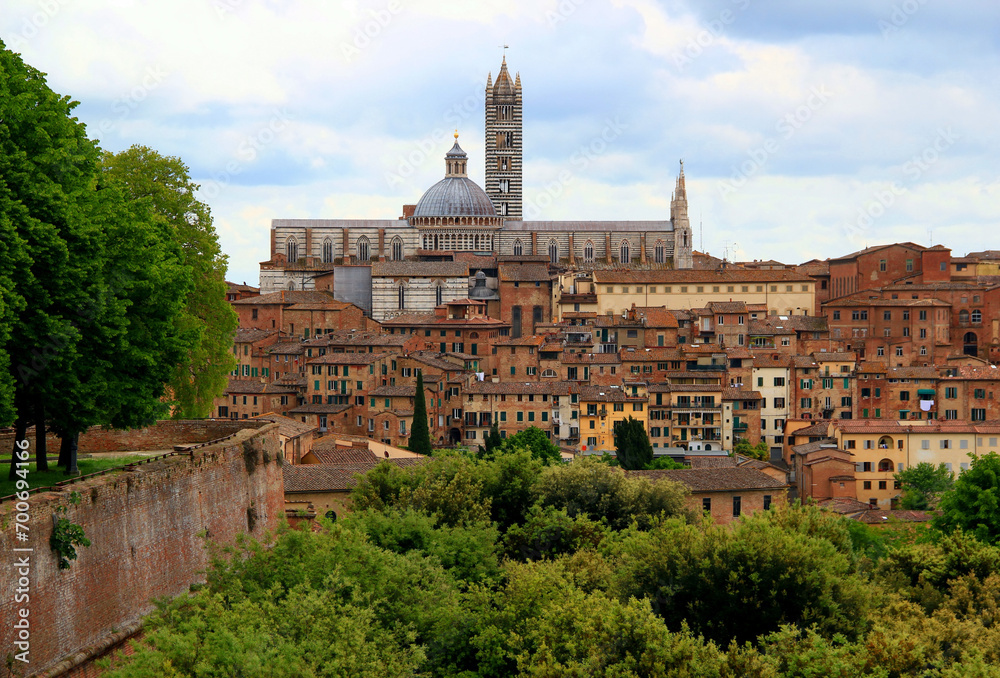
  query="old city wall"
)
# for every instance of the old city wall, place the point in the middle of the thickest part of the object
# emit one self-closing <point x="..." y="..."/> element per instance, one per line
<point x="147" y="529"/>
<point x="162" y="435"/>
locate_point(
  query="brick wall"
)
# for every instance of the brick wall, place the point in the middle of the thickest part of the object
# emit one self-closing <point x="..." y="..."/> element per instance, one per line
<point x="145" y="528"/>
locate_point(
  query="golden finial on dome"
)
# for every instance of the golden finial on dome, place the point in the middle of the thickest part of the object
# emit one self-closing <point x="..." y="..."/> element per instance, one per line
<point x="456" y="136"/>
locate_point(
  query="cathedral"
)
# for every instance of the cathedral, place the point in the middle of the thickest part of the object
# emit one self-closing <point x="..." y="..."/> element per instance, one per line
<point x="457" y="216"/>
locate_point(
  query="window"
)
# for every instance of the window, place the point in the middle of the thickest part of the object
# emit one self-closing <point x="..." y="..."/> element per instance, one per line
<point x="363" y="250"/>
<point x="553" y="252"/>
<point x="624" y="252"/>
<point x="292" y="250"/>
<point x="397" y="255"/>
<point x="779" y="381"/>
<point x="899" y="351"/>
<point x="767" y="502"/>
<point x="836" y="315"/>
<point x="881" y="265"/>
<point x="737" y="506"/>
<point x="706" y="505"/>
<point x="951" y="392"/>
<point x="886" y="315"/>
<point x="977" y="317"/>
<point x="588" y="252"/>
<point x="401" y="297"/>
<point x="518" y="248"/>
<point x="658" y="252"/>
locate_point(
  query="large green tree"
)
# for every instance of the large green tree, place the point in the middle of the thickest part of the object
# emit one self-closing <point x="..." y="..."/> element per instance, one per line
<point x="632" y="445"/>
<point x="420" y="435"/>
<point x="922" y="485"/>
<point x="973" y="503"/>
<point x="535" y="441"/>
<point x="208" y="322"/>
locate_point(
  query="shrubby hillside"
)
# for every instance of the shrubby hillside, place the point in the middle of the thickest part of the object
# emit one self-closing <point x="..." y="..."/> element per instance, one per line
<point x="506" y="566"/>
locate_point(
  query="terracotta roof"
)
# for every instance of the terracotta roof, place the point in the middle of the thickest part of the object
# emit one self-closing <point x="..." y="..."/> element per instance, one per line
<point x="818" y="429"/>
<point x="333" y="454"/>
<point x="527" y="340"/>
<point x="716" y="479"/>
<point x="255" y="386"/>
<point x="250" y="335"/>
<point x="877" y="248"/>
<point x="712" y="462"/>
<point x="657" y="316"/>
<point x="357" y="338"/>
<point x="288" y="427"/>
<point x="767" y="358"/>
<point x="768" y="329"/>
<point x="911" y="373"/>
<point x="394" y="391"/>
<point x="590" y="358"/>
<point x="835" y="356"/>
<point x="319" y="478"/>
<point x="739" y="394"/>
<point x="727" y="307"/>
<point x="524" y="272"/>
<point x="287" y="347"/>
<point x="990" y="373"/>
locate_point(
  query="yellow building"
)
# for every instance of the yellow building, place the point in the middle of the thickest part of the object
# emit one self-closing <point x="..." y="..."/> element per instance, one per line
<point x="784" y="292"/>
<point x="602" y="406"/>
<point x="880" y="449"/>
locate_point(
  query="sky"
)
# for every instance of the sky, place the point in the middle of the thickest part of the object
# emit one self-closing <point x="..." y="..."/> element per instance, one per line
<point x="807" y="129"/>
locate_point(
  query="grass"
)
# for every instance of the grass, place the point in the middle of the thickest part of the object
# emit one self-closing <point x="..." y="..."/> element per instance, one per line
<point x="55" y="473"/>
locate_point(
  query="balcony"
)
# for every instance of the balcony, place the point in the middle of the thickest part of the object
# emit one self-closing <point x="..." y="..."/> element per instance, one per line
<point x="740" y="428"/>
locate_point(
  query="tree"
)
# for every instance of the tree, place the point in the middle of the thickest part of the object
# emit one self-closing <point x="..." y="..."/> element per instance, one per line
<point x="420" y="435"/>
<point x="922" y="484"/>
<point x="632" y="444"/>
<point x="535" y="441"/>
<point x="208" y="322"/>
<point x="664" y="464"/>
<point x="758" y="451"/>
<point x="492" y="443"/>
<point x="973" y="503"/>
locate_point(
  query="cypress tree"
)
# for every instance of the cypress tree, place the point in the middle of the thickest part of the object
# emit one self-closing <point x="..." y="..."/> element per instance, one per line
<point x="420" y="435"/>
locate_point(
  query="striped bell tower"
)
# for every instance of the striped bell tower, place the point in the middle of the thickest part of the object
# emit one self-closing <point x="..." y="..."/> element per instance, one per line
<point x="503" y="143"/>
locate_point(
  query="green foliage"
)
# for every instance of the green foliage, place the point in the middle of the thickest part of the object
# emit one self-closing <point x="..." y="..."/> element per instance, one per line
<point x="549" y="533"/>
<point x="509" y="485"/>
<point x="590" y="488"/>
<point x="973" y="503"/>
<point x="207" y="323"/>
<point x="535" y="441"/>
<point x="420" y="434"/>
<point x="716" y="578"/>
<point x="467" y="552"/>
<point x="922" y="484"/>
<point x="758" y="451"/>
<point x="66" y="536"/>
<point x="632" y="447"/>
<point x="664" y="464"/>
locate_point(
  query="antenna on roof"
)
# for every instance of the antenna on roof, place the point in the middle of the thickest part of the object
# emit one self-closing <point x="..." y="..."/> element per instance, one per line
<point x="701" y="233"/>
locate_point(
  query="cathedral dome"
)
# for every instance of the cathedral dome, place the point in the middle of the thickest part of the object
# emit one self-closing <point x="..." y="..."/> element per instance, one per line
<point x="456" y="195"/>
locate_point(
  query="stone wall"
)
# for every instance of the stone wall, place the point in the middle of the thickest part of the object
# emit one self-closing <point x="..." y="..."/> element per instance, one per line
<point x="147" y="529"/>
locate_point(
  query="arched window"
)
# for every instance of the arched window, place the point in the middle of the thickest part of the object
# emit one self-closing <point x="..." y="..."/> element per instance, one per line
<point x="401" y="294"/>
<point x="438" y="294"/>
<point x="363" y="249"/>
<point x="658" y="253"/>
<point x="518" y="248"/>
<point x="291" y="285"/>
<point x="553" y="252"/>
<point x="588" y="252"/>
<point x="327" y="251"/>
<point x="685" y="240"/>
<point x="397" y="249"/>
<point x="624" y="253"/>
<point x="977" y="316"/>
<point x="885" y="466"/>
<point x="963" y="316"/>
<point x="548" y="372"/>
<point x="292" y="250"/>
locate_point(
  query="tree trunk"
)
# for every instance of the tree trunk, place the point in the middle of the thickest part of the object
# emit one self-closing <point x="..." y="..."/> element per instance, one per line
<point x="41" y="454"/>
<point x="20" y="429"/>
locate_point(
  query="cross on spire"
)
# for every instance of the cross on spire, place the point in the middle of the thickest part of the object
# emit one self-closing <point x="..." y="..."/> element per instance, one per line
<point x="504" y="48"/>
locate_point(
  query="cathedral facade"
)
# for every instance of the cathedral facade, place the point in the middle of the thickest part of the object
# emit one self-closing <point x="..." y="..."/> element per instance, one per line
<point x="456" y="215"/>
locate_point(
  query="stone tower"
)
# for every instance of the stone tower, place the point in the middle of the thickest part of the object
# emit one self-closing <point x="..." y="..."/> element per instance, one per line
<point x="682" y="225"/>
<point x="503" y="143"/>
